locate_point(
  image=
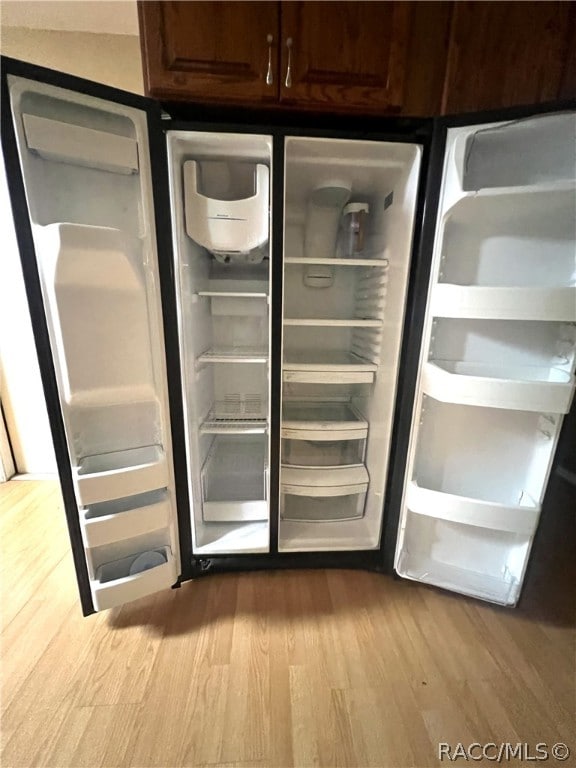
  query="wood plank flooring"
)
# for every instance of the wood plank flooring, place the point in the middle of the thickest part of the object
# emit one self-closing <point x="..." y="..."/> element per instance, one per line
<point x="274" y="669"/>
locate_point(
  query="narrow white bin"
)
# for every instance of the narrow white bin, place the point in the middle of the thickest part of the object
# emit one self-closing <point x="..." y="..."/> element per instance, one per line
<point x="121" y="473"/>
<point x="111" y="521"/>
<point x="115" y="585"/>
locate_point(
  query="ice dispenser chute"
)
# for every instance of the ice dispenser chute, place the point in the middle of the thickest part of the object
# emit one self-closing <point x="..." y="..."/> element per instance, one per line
<point x="232" y="230"/>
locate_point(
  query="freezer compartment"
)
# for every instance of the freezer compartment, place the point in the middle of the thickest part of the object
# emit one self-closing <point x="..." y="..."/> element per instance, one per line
<point x="133" y="577"/>
<point x="529" y="151"/>
<point x="475" y="561"/>
<point x="323" y="452"/>
<point x="322" y="421"/>
<point x="122" y="473"/>
<point x="110" y="521"/>
<point x="484" y="453"/>
<point x="523" y="388"/>
<point x="511" y="240"/>
<point x="235" y="479"/>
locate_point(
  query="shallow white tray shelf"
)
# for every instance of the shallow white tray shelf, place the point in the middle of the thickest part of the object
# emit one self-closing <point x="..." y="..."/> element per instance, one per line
<point x="521" y="518"/>
<point x="327" y="367"/>
<point x="234" y="294"/>
<point x="234" y="355"/>
<point x="522" y="388"/>
<point x="324" y="481"/>
<point x="76" y="144"/>
<point x="125" y="518"/>
<point x="234" y="479"/>
<point x="216" y="425"/>
<point x="322" y="421"/>
<point x="382" y="263"/>
<point x="504" y="303"/>
<point x="114" y="585"/>
<point x="121" y="473"/>
<point x="333" y="323"/>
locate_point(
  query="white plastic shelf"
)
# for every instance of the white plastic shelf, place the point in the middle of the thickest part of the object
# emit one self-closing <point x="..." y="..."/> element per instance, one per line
<point x="217" y="425"/>
<point x="332" y="323"/>
<point x="338" y="262"/>
<point x="121" y="473"/>
<point x="234" y="479"/>
<point x="234" y="294"/>
<point x="327" y="367"/>
<point x="324" y="481"/>
<point x="78" y="145"/>
<point x="114" y="585"/>
<point x="234" y="355"/>
<point x="125" y="518"/>
<point x="479" y="302"/>
<point x="322" y="421"/>
<point x="522" y="388"/>
<point x="521" y="518"/>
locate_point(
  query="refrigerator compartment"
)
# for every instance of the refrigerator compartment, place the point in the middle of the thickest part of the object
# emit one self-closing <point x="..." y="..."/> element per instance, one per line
<point x="110" y="521"/>
<point x="236" y="220"/>
<point x="520" y="518"/>
<point x="322" y="509"/>
<point x="115" y="584"/>
<point x="327" y="452"/>
<point x="522" y="388"/>
<point x="322" y="421"/>
<point x="80" y="145"/>
<point x="551" y="304"/>
<point x="511" y="240"/>
<point x="122" y="473"/>
<point x="520" y="153"/>
<point x="223" y="354"/>
<point x="235" y="479"/>
<point x="480" y="562"/>
<point x="500" y="453"/>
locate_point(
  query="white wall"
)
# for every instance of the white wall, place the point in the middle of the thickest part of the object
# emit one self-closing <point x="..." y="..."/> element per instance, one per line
<point x="110" y="59"/>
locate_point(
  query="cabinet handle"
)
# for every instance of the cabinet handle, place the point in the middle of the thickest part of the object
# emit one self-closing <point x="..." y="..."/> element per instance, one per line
<point x="269" y="77"/>
<point x="288" y="81"/>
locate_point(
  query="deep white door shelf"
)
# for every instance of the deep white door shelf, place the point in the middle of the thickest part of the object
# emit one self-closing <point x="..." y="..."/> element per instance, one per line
<point x="504" y="303"/>
<point x="121" y="473"/>
<point x="521" y="518"/>
<point x="121" y="519"/>
<point x="522" y="388"/>
<point x="115" y="585"/>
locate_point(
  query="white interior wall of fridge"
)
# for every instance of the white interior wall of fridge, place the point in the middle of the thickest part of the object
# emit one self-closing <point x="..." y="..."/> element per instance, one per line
<point x="341" y="343"/>
<point x="224" y="322"/>
<point x="88" y="184"/>
<point x="497" y="359"/>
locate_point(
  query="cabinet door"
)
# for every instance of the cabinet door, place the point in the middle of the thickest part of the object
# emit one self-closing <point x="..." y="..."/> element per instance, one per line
<point x="504" y="54"/>
<point x="345" y="54"/>
<point x="210" y="51"/>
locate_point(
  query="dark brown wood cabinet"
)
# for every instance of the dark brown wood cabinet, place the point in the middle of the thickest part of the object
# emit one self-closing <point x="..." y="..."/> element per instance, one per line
<point x="408" y="58"/>
<point x="210" y="51"/>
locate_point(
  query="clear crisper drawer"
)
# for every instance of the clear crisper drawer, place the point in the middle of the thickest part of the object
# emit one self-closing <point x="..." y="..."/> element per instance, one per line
<point x="235" y="479"/>
<point x="315" y="509"/>
<point x="322" y="452"/>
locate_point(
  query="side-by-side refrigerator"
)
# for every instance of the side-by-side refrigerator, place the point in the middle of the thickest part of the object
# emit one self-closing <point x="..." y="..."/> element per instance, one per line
<point x="325" y="342"/>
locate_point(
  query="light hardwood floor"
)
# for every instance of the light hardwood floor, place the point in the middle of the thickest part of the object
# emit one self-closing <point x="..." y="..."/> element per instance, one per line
<point x="301" y="668"/>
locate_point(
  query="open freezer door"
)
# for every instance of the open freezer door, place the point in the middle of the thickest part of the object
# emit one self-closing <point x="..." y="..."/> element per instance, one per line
<point x="79" y="169"/>
<point x="495" y="374"/>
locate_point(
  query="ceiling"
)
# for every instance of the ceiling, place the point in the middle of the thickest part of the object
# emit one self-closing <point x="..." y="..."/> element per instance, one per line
<point x="117" y="17"/>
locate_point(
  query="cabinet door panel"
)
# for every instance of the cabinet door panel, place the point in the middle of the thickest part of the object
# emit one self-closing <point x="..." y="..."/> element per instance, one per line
<point x="507" y="53"/>
<point x="210" y="51"/>
<point x="345" y="54"/>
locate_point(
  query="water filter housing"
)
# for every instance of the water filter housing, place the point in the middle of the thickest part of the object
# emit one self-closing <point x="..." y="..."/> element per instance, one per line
<point x="232" y="230"/>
